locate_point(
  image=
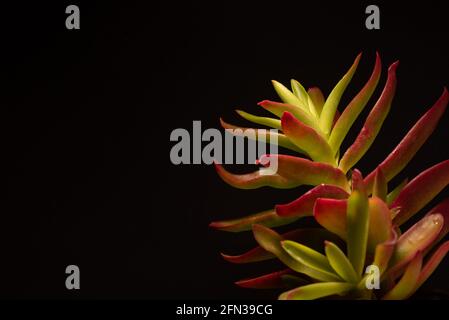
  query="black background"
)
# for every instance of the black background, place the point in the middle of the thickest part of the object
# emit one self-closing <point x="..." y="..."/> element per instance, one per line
<point x="88" y="116"/>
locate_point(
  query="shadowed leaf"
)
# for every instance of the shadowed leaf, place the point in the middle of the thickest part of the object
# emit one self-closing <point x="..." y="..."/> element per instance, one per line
<point x="432" y="263"/>
<point x="269" y="281"/>
<point x="268" y="218"/>
<point x="317" y="98"/>
<point x="395" y="192"/>
<point x="405" y="287"/>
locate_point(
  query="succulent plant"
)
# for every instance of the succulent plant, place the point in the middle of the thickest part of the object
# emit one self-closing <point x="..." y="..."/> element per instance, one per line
<point x="359" y="220"/>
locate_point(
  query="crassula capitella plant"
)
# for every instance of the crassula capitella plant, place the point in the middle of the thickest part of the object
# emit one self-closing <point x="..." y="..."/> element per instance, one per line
<point x="360" y="223"/>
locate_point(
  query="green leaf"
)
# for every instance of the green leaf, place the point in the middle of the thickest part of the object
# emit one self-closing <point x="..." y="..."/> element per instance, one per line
<point x="302" y="94"/>
<point x="278" y="110"/>
<point x="420" y="191"/>
<point x="331" y="104"/>
<point x="372" y="124"/>
<point x="354" y="108"/>
<point x="288" y="97"/>
<point x="311" y="237"/>
<point x="340" y="263"/>
<point x="357" y="225"/>
<point x="291" y="172"/>
<point x="309" y="257"/>
<point x="394" y="194"/>
<point x="271" y="242"/>
<point x="317" y="290"/>
<point x="299" y="91"/>
<point x="307" y="139"/>
<point x="405" y="287"/>
<point x="317" y="98"/>
<point x="264" y="121"/>
<point x="412" y="142"/>
<point x="270" y="137"/>
<point x="268" y="218"/>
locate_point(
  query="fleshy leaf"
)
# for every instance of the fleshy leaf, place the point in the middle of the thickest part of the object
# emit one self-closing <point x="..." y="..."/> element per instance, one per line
<point x="309" y="257"/>
<point x="443" y="209"/>
<point x="271" y="242"/>
<point x="380" y="187"/>
<point x="420" y="236"/>
<point x="317" y="290"/>
<point x="332" y="101"/>
<point x="384" y="251"/>
<point x="395" y="192"/>
<point x="307" y="139"/>
<point x="405" y="287"/>
<point x="292" y="172"/>
<point x="256" y="254"/>
<point x="432" y="263"/>
<point x="311" y="237"/>
<point x="278" y="109"/>
<point x="269" y="281"/>
<point x="372" y="124"/>
<point x="268" y="218"/>
<point x="299" y="91"/>
<point x="303" y="206"/>
<point x="379" y="223"/>
<point x="340" y="263"/>
<point x="421" y="191"/>
<point x="331" y="214"/>
<point x="264" y="121"/>
<point x="357" y="224"/>
<point x="287" y="96"/>
<point x="354" y="108"/>
<point x="412" y="142"/>
<point x="270" y="137"/>
<point x="317" y="98"/>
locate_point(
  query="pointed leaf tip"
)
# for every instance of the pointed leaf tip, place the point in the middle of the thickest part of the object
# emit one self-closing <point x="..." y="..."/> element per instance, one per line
<point x="354" y="108"/>
<point x="373" y="123"/>
<point x="412" y="142"/>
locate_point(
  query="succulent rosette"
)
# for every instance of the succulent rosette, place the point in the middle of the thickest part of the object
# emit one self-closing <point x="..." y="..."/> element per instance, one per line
<point x="361" y="222"/>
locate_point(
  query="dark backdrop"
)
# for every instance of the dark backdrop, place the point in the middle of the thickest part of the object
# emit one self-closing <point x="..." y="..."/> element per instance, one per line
<point x="88" y="115"/>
